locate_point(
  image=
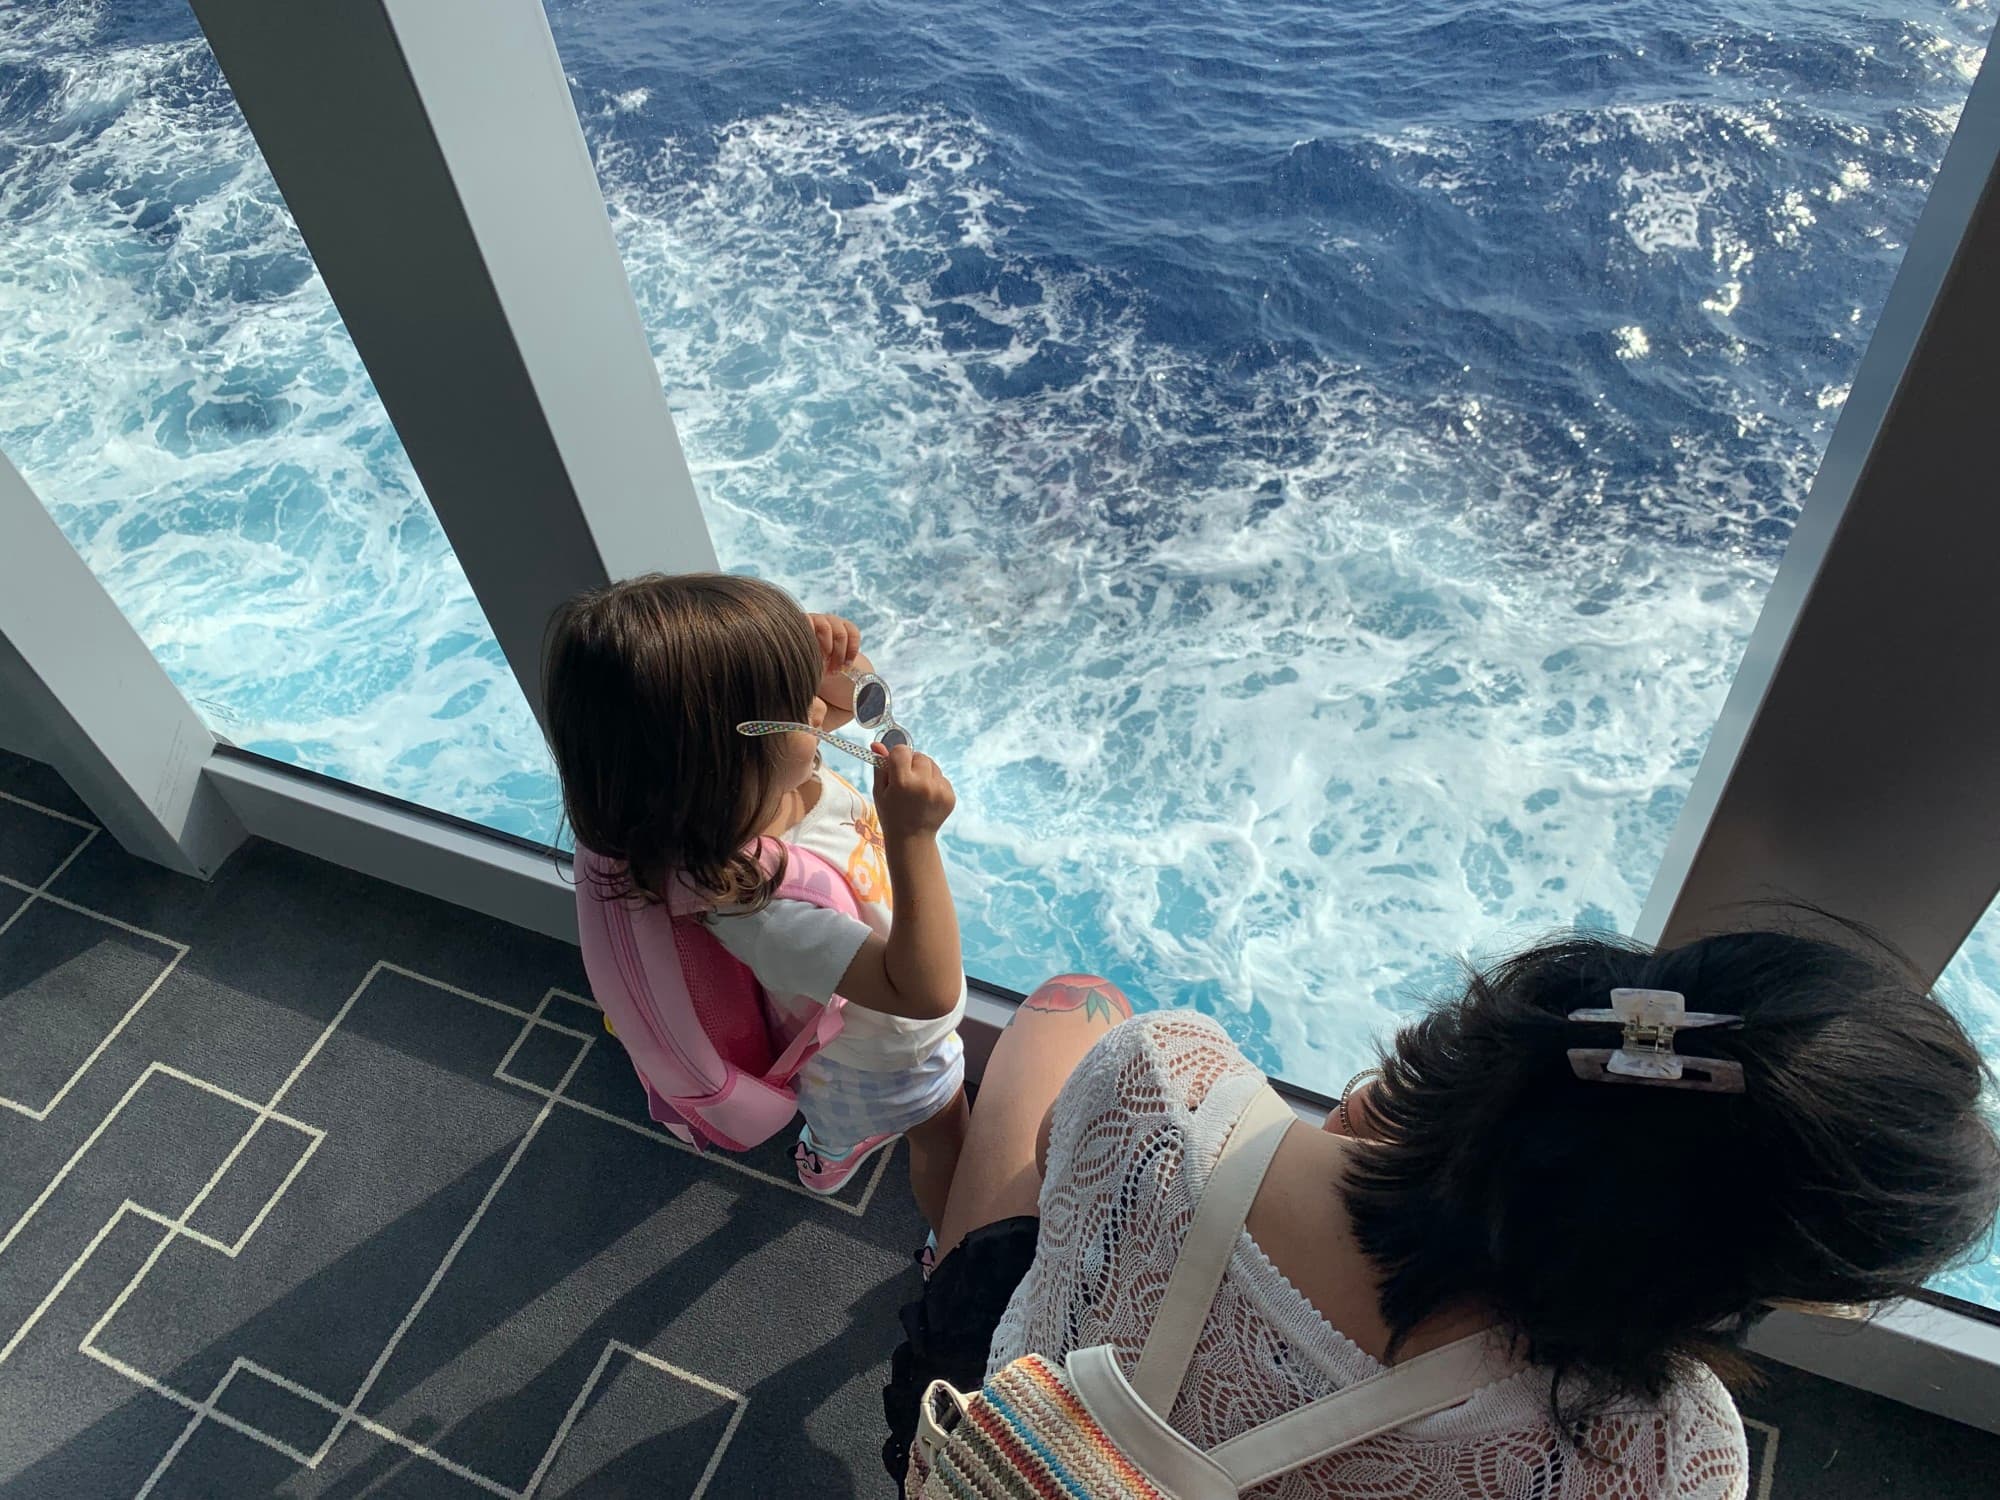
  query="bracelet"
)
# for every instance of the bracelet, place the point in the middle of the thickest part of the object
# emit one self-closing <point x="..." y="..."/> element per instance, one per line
<point x="1340" y="1109"/>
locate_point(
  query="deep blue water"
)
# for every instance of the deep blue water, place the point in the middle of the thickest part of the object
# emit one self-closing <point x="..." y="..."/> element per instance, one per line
<point x="1308" y="470"/>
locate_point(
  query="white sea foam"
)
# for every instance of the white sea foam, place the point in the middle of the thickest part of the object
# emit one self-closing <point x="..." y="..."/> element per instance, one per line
<point x="1854" y="177"/>
<point x="1273" y="695"/>
<point x="1290" y="763"/>
<point x="182" y="395"/>
<point x="1632" y="342"/>
<point x="1663" y="209"/>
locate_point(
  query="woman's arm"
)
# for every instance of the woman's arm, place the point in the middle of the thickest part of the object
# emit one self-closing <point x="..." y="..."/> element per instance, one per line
<point x="917" y="970"/>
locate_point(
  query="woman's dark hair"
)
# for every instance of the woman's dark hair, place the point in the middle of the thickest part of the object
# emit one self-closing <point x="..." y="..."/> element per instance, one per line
<point x="1624" y="1232"/>
<point x="644" y="684"/>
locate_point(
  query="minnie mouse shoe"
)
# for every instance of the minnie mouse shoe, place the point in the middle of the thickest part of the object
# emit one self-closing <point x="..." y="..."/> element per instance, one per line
<point x="823" y="1173"/>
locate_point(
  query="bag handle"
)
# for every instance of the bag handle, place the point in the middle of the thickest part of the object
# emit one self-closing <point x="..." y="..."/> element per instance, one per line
<point x="1210" y="1240"/>
<point x="1417" y="1387"/>
<point x="815" y="1034"/>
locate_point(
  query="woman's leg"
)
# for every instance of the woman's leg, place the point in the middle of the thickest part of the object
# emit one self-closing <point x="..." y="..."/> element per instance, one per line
<point x="997" y="1177"/>
<point x="951" y="1326"/>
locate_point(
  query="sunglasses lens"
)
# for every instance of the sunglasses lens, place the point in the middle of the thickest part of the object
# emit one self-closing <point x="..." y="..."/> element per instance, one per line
<point x="892" y="739"/>
<point x="870" y="704"/>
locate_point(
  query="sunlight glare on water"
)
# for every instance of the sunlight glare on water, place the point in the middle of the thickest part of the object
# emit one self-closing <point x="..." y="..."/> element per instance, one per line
<point x="1309" y="476"/>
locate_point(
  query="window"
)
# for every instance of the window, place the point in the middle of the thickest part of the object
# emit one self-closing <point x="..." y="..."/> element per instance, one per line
<point x="1310" y="479"/>
<point x="1309" y="485"/>
<point x="1971" y="986"/>
<point x="177" y="386"/>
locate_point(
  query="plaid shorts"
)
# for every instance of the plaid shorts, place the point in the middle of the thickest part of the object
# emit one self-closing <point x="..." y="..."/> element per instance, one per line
<point x="846" y="1105"/>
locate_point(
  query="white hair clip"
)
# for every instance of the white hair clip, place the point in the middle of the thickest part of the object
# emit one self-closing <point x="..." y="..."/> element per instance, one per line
<point x="1645" y="1054"/>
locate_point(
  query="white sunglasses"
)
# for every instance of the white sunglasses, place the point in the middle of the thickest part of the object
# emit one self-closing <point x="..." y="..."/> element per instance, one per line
<point x="871" y="712"/>
<point x="871" y="709"/>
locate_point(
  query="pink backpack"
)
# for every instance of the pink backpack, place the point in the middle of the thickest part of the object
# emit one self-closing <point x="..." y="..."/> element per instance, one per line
<point x="690" y="1013"/>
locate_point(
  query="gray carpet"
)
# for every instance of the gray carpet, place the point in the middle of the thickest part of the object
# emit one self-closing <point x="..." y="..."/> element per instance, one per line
<point x="312" y="1187"/>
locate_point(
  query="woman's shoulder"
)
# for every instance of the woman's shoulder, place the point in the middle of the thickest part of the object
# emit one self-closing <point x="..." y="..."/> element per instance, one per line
<point x="1171" y="1056"/>
<point x="1157" y="1069"/>
<point x="1710" y="1452"/>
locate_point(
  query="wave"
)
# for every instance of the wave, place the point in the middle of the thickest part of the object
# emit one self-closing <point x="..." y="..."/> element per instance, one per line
<point x="1279" y="656"/>
<point x="175" y="382"/>
<point x="1264" y="679"/>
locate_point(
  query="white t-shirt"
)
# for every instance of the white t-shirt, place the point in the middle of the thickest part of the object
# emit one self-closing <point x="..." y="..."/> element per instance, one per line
<point x="798" y="951"/>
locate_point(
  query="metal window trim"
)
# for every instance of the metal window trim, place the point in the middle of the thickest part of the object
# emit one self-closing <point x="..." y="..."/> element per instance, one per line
<point x="1920" y="1353"/>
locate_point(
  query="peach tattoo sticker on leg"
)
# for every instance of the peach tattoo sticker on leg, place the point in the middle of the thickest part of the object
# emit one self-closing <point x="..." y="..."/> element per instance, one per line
<point x="1097" y="998"/>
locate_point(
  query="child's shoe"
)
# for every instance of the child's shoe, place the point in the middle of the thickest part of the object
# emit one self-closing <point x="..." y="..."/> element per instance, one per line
<point x="823" y="1174"/>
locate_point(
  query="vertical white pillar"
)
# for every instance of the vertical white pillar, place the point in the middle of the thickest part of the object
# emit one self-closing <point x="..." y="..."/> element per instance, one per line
<point x="429" y="151"/>
<point x="79" y="689"/>
<point x="1856" y="764"/>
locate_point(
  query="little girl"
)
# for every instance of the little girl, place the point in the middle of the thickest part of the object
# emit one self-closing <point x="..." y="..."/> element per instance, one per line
<point x="646" y="683"/>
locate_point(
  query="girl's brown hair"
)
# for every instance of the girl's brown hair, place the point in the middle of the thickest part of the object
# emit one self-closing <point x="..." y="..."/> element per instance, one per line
<point x="644" y="683"/>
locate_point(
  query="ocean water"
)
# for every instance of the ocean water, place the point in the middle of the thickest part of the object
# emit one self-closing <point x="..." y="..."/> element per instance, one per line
<point x="1309" y="472"/>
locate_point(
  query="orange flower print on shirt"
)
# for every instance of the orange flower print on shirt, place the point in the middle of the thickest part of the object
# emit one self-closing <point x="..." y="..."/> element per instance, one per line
<point x="868" y="865"/>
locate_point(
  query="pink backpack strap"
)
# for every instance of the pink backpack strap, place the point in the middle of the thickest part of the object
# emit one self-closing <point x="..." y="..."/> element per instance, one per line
<point x="632" y="952"/>
<point x="809" y="877"/>
<point x="814" y="879"/>
<point x="689" y="1013"/>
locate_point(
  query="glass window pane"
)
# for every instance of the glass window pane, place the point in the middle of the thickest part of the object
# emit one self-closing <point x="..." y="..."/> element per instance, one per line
<point x="1971" y="986"/>
<point x="1310" y="475"/>
<point x="176" y="385"/>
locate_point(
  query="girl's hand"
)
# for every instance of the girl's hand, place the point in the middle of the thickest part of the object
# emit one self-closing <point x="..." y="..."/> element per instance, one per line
<point x="839" y="641"/>
<point x="911" y="793"/>
<point x="839" y="648"/>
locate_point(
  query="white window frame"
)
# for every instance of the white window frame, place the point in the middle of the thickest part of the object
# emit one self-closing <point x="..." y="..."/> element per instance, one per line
<point x="430" y="154"/>
<point x="1856" y="761"/>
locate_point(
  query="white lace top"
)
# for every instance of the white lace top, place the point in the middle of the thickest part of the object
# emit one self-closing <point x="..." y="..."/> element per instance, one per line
<point x="1135" y="1133"/>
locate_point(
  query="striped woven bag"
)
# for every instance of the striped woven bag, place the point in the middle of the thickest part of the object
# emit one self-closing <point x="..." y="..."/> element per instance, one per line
<point x="1077" y="1429"/>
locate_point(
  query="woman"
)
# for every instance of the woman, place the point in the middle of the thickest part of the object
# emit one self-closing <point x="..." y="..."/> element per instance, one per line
<point x="1625" y="1231"/>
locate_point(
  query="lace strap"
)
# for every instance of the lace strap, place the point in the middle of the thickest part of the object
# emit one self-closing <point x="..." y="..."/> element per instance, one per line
<point x="1218" y="1219"/>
